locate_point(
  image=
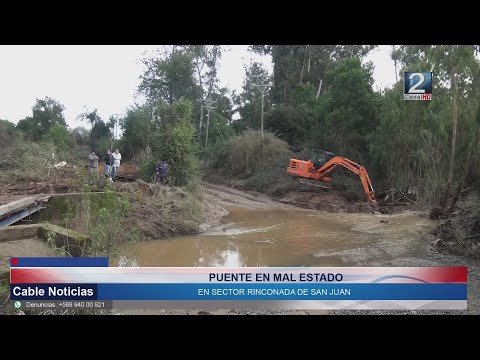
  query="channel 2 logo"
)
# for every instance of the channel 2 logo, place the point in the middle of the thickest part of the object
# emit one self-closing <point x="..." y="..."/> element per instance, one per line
<point x="418" y="86"/>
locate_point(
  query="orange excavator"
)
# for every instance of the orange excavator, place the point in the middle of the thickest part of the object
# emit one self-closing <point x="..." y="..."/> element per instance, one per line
<point x="321" y="163"/>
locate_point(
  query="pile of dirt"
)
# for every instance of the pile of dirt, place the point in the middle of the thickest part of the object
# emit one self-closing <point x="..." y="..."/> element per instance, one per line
<point x="335" y="198"/>
<point x="159" y="211"/>
<point x="156" y="221"/>
<point x="460" y="234"/>
<point x="212" y="213"/>
<point x="331" y="201"/>
<point x="129" y="170"/>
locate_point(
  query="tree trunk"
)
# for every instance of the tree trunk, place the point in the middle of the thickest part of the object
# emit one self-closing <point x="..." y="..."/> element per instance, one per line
<point x="395" y="63"/>
<point x="261" y="129"/>
<point x="303" y="65"/>
<point x="170" y="95"/>
<point x="148" y="148"/>
<point x="319" y="88"/>
<point x="454" y="138"/>
<point x="443" y="204"/>
<point x="454" y="130"/>
<point x="309" y="59"/>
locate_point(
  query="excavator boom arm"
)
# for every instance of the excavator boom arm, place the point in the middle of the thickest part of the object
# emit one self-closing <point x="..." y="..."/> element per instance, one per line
<point x="330" y="165"/>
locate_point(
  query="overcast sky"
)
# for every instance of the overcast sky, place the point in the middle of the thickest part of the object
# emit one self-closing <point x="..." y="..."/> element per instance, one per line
<point x="106" y="76"/>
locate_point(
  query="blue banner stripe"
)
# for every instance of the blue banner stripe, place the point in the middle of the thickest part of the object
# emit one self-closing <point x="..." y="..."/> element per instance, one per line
<point x="313" y="291"/>
<point x="239" y="292"/>
<point x="59" y="262"/>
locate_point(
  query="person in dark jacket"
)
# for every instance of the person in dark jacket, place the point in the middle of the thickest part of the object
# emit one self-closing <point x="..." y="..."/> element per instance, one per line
<point x="108" y="160"/>
<point x="161" y="171"/>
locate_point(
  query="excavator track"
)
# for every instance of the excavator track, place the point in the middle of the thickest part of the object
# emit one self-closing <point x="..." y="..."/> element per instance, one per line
<point x="314" y="183"/>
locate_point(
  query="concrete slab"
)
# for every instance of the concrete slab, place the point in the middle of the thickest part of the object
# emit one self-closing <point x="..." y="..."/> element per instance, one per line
<point x="21" y="204"/>
<point x="72" y="241"/>
<point x="18" y="232"/>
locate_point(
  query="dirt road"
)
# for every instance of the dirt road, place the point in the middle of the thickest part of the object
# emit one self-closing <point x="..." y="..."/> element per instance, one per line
<point x="228" y="197"/>
<point x="217" y="198"/>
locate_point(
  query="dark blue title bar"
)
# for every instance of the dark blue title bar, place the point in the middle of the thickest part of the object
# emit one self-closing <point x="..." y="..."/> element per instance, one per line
<point x="59" y="262"/>
<point x="258" y="291"/>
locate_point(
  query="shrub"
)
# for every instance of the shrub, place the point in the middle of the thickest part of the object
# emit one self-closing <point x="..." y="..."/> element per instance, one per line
<point x="242" y="153"/>
<point x="177" y="146"/>
<point x="29" y="161"/>
<point x="59" y="136"/>
<point x="147" y="170"/>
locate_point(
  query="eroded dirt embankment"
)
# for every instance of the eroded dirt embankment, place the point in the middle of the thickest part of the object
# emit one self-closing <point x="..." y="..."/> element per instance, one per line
<point x="331" y="200"/>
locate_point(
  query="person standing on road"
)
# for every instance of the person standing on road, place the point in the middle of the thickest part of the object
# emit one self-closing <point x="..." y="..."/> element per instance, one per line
<point x="92" y="165"/>
<point x="116" y="156"/>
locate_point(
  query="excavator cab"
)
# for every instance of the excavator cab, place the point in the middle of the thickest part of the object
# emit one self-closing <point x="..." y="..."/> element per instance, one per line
<point x="320" y="157"/>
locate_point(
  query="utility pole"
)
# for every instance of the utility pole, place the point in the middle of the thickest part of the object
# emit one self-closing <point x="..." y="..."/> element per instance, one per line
<point x="209" y="107"/>
<point x="114" y="137"/>
<point x="262" y="85"/>
<point x="200" y="124"/>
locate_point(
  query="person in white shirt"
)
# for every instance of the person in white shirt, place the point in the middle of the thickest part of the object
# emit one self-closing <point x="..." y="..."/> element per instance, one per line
<point x="116" y="164"/>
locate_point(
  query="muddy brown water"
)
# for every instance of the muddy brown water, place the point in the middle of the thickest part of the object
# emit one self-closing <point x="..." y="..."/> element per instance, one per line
<point x="293" y="237"/>
<point x="275" y="237"/>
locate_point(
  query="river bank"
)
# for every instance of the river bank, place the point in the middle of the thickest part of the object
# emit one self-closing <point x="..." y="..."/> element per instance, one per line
<point x="261" y="232"/>
<point x="246" y="228"/>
